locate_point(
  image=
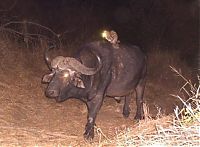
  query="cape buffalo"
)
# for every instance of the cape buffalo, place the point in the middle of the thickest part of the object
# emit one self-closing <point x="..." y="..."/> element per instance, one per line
<point x="96" y="71"/>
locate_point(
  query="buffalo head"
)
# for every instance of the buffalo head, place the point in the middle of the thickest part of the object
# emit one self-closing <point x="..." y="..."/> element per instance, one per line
<point x="65" y="73"/>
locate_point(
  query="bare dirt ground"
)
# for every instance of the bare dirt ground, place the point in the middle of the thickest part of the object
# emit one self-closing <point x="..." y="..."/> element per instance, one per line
<point x="28" y="118"/>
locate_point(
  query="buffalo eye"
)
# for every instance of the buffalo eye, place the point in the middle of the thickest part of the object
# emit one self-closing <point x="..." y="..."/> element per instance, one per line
<point x="66" y="75"/>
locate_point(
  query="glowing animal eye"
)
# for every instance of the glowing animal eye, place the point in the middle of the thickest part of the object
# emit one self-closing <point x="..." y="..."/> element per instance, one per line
<point x="104" y="34"/>
<point x="65" y="75"/>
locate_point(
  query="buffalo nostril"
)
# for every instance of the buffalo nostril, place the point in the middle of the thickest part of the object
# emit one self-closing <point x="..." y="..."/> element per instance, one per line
<point x="52" y="93"/>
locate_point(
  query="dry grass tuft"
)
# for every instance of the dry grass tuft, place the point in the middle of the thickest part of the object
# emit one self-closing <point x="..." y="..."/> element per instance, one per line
<point x="191" y="107"/>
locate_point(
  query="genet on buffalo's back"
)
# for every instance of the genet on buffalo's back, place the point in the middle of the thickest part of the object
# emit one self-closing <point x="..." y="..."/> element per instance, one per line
<point x="97" y="71"/>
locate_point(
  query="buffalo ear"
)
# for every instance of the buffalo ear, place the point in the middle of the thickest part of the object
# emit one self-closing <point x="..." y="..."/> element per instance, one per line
<point x="78" y="83"/>
<point x="47" y="78"/>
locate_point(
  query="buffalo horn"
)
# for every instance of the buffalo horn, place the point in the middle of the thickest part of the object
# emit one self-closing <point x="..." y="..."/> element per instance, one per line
<point x="79" y="67"/>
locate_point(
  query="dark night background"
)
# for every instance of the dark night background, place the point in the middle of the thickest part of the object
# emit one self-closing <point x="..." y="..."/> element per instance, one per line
<point x="151" y="24"/>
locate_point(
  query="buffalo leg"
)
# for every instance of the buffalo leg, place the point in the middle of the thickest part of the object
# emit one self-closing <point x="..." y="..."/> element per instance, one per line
<point x="95" y="103"/>
<point x="126" y="108"/>
<point x="139" y="99"/>
<point x="93" y="108"/>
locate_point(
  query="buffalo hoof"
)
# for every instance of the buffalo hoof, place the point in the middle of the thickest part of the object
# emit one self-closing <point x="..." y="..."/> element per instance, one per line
<point x="139" y="117"/>
<point x="89" y="132"/>
<point x="126" y="113"/>
<point x="88" y="136"/>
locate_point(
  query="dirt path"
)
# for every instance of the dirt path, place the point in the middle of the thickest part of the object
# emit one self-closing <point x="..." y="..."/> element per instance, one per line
<point x="27" y="116"/>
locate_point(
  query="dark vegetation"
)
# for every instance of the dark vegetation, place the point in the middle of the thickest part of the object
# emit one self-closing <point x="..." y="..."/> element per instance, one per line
<point x="167" y="24"/>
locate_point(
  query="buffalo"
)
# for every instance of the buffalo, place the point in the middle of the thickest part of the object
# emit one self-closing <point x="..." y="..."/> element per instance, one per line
<point x="97" y="70"/>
